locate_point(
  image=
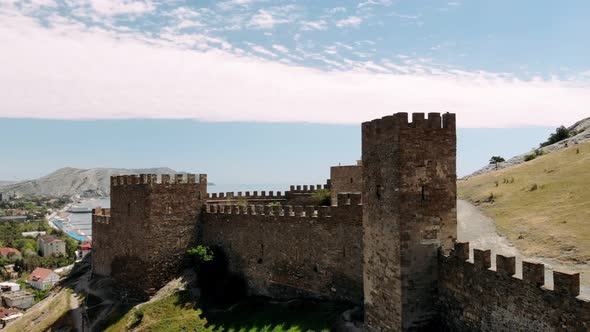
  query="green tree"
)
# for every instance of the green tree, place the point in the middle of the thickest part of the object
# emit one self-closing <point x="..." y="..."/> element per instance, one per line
<point x="24" y="244"/>
<point x="71" y="246"/>
<point x="495" y="160"/>
<point x="559" y="135"/>
<point x="201" y="254"/>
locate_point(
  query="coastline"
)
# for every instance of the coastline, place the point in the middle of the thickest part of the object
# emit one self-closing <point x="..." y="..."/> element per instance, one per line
<point x="75" y="225"/>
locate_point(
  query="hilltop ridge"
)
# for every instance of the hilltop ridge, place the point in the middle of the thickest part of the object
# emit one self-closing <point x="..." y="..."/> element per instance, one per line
<point x="582" y="134"/>
<point x="69" y="181"/>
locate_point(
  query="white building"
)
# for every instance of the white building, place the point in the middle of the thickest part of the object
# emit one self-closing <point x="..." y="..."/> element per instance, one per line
<point x="42" y="278"/>
<point x="9" y="286"/>
<point x="51" y="245"/>
<point x="19" y="299"/>
<point x="34" y="234"/>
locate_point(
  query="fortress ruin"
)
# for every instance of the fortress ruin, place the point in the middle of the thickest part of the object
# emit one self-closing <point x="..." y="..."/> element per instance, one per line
<point x="388" y="241"/>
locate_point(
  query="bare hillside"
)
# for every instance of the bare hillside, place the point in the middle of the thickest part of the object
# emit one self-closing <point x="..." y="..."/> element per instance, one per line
<point x="542" y="206"/>
<point x="94" y="182"/>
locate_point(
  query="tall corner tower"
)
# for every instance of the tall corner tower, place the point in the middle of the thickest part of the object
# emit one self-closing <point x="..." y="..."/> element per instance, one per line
<point x="409" y="214"/>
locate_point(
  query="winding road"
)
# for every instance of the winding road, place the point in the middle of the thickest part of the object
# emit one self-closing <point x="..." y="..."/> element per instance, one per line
<point x="480" y="231"/>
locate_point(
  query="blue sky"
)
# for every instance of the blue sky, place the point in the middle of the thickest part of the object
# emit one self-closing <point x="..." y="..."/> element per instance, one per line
<point x="231" y="153"/>
<point x="249" y="64"/>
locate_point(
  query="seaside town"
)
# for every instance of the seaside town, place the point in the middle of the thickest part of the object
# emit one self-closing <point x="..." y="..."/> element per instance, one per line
<point x="38" y="246"/>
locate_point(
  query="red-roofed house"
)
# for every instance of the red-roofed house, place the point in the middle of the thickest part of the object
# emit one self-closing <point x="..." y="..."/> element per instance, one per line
<point x="84" y="249"/>
<point x="6" y="251"/>
<point x="42" y="278"/>
<point x="7" y="316"/>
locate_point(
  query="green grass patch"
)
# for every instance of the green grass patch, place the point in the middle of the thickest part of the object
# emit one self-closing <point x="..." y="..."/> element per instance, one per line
<point x="177" y="313"/>
<point x="293" y="316"/>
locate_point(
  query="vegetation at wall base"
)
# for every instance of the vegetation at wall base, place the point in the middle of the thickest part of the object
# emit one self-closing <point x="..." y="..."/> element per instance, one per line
<point x="178" y="312"/>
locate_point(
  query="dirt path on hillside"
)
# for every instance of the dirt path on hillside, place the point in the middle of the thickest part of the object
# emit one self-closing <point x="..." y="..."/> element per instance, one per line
<point x="480" y="231"/>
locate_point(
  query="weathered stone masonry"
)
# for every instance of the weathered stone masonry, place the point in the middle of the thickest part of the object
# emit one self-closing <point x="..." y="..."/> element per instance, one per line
<point x="409" y="197"/>
<point x="473" y="297"/>
<point x="292" y="251"/>
<point x="394" y="249"/>
<point x="143" y="240"/>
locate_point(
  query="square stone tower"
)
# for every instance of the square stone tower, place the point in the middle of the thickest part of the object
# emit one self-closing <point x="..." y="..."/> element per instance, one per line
<point x="409" y="214"/>
<point x="142" y="243"/>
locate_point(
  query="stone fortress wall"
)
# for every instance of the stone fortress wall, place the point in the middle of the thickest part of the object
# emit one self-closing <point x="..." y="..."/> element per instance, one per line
<point x="297" y="195"/>
<point x="394" y="249"/>
<point x="292" y="251"/>
<point x="474" y="296"/>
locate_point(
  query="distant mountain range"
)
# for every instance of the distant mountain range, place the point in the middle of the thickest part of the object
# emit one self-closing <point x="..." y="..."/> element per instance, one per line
<point x="94" y="182"/>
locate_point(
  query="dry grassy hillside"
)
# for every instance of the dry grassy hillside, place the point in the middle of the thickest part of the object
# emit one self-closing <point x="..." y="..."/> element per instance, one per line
<point x="543" y="205"/>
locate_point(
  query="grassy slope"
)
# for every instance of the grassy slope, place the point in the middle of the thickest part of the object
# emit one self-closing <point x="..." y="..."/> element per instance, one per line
<point x="551" y="221"/>
<point x="43" y="315"/>
<point x="174" y="313"/>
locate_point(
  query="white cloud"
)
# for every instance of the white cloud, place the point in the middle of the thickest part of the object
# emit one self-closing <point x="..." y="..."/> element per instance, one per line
<point x="118" y="7"/>
<point x="352" y="21"/>
<point x="264" y="19"/>
<point x="280" y="48"/>
<point x="227" y="5"/>
<point x="95" y="74"/>
<point x="42" y="3"/>
<point x="261" y="50"/>
<point x="313" y="25"/>
<point x="336" y="10"/>
<point x="374" y="3"/>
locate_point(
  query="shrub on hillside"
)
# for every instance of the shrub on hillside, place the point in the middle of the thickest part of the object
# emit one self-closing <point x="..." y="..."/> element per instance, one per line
<point x="560" y="134"/>
<point x="530" y="157"/>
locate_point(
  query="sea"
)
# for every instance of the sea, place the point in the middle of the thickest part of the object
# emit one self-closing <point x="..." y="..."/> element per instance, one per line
<point x="81" y="223"/>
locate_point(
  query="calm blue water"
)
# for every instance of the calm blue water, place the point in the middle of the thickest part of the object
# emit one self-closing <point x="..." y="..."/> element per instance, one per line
<point x="82" y="222"/>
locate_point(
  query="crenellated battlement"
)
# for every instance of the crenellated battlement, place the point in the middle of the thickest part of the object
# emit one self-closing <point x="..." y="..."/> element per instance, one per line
<point x="532" y="273"/>
<point x="154" y="179"/>
<point x="101" y="215"/>
<point x="98" y="211"/>
<point x="388" y="126"/>
<point x="348" y="203"/>
<point x="254" y="195"/>
<point x="261" y="195"/>
<point x="308" y="189"/>
<point x="477" y="296"/>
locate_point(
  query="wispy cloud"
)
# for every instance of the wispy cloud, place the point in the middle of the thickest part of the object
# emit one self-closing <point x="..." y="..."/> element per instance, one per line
<point x="266" y="19"/>
<point x="261" y="50"/>
<point x="117" y="7"/>
<point x="336" y="10"/>
<point x="352" y="21"/>
<point x="94" y="73"/>
<point x="313" y="25"/>
<point x="280" y="48"/>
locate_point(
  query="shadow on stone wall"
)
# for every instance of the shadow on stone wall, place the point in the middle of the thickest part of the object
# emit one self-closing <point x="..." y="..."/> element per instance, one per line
<point x="220" y="287"/>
